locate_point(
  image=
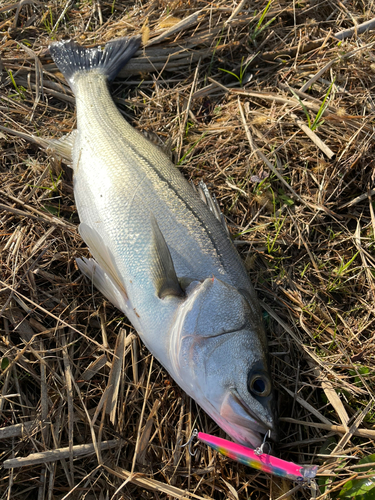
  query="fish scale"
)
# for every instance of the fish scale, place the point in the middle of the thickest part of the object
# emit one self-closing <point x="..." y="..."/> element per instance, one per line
<point x="161" y="256"/>
<point x="198" y="250"/>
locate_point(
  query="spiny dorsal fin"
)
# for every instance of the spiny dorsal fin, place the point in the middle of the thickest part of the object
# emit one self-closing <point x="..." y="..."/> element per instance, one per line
<point x="164" y="274"/>
<point x="211" y="201"/>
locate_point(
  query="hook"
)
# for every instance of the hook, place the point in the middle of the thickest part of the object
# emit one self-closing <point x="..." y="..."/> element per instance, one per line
<point x="260" y="450"/>
<point x="194" y="434"/>
<point x="313" y="488"/>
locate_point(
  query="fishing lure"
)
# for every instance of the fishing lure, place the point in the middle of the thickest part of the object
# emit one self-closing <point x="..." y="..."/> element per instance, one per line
<point x="258" y="459"/>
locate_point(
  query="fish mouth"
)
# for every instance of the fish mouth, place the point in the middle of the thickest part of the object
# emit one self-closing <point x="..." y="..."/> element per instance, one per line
<point x="242" y="423"/>
<point x="265" y="426"/>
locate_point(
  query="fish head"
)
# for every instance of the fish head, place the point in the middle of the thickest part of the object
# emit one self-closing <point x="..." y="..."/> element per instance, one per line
<point x="219" y="356"/>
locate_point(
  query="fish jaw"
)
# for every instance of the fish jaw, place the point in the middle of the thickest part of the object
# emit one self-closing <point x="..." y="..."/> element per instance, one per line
<point x="241" y="423"/>
<point x="213" y="350"/>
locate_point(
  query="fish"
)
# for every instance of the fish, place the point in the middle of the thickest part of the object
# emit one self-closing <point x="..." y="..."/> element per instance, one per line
<point x="161" y="253"/>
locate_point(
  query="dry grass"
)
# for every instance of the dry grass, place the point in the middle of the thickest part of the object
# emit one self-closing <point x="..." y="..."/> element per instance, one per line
<point x="73" y="373"/>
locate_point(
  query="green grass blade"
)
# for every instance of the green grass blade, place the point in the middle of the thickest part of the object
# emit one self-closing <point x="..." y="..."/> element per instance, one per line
<point x="303" y="107"/>
<point x="322" y="108"/>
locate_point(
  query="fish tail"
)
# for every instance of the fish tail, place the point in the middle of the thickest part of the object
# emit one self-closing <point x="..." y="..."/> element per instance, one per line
<point x="72" y="58"/>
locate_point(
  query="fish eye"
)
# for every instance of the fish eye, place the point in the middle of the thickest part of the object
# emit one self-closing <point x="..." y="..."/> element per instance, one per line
<point x="259" y="384"/>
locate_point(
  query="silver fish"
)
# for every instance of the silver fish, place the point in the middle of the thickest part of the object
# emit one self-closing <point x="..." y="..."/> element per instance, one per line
<point x="161" y="255"/>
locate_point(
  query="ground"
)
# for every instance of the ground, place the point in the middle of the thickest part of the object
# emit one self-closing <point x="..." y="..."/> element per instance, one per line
<point x="270" y="104"/>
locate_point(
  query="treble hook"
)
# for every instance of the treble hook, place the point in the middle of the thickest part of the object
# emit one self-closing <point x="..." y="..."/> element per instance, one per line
<point x="260" y="450"/>
<point x="194" y="434"/>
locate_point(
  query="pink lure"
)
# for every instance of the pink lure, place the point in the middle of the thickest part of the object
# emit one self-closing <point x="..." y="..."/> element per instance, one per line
<point x="261" y="461"/>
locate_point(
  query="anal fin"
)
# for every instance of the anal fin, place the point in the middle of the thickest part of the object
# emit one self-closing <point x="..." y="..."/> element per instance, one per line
<point x="63" y="147"/>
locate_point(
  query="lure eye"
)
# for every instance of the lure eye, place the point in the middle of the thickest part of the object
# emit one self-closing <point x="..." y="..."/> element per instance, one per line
<point x="259" y="384"/>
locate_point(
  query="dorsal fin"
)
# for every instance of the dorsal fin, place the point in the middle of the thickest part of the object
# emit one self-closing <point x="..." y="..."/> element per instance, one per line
<point x="211" y="201"/>
<point x="157" y="141"/>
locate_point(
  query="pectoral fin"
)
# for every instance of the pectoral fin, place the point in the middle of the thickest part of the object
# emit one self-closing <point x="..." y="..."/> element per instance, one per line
<point x="102" y="255"/>
<point x="164" y="274"/>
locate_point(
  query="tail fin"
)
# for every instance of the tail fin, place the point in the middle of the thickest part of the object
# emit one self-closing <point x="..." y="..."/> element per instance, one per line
<point x="72" y="58"/>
